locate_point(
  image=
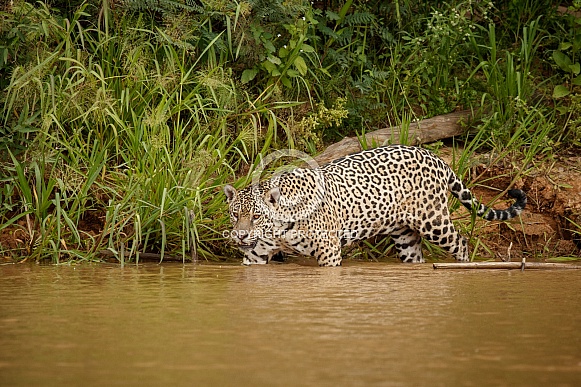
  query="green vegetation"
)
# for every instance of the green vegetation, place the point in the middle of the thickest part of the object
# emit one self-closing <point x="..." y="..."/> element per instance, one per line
<point x="121" y="120"/>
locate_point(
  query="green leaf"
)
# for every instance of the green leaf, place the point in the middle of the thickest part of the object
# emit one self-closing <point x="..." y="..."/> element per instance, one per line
<point x="292" y="73"/>
<point x="344" y="10"/>
<point x="325" y="71"/>
<point x="562" y="60"/>
<point x="271" y="68"/>
<point x="565" y="45"/>
<point x="332" y="15"/>
<point x="269" y="46"/>
<point x="285" y="81"/>
<point x="22" y="182"/>
<point x="560" y="91"/>
<point x="274" y="59"/>
<point x="282" y="52"/>
<point x="576" y="81"/>
<point x="300" y="65"/>
<point x="575" y="68"/>
<point x="577" y="42"/>
<point x="307" y="48"/>
<point x="248" y="75"/>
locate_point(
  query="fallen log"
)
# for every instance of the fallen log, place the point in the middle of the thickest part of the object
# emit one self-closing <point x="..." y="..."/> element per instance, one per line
<point x="424" y="131"/>
<point x="507" y="265"/>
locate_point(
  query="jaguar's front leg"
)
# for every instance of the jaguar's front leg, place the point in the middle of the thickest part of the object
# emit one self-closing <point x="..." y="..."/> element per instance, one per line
<point x="252" y="258"/>
<point x="259" y="254"/>
<point x="328" y="252"/>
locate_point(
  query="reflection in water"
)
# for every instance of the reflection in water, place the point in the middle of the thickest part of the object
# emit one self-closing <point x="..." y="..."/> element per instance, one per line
<point x="362" y="324"/>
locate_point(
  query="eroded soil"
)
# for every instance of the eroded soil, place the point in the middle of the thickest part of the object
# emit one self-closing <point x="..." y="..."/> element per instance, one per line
<point x="550" y="226"/>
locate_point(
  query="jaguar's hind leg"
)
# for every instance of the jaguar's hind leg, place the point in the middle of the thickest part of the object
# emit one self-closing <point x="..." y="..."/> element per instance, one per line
<point x="408" y="244"/>
<point x="457" y="246"/>
<point x="450" y="240"/>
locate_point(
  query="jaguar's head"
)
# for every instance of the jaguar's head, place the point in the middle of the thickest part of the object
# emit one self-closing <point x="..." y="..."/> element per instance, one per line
<point x="265" y="212"/>
<point x="251" y="213"/>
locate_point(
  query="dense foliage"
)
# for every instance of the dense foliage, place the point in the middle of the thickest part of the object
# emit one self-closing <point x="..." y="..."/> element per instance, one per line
<point x="121" y="120"/>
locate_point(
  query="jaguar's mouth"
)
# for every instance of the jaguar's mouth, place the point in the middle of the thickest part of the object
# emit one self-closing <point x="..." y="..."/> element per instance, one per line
<point x="246" y="246"/>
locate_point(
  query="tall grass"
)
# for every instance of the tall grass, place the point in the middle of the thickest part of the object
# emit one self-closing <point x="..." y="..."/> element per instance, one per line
<point x="135" y="135"/>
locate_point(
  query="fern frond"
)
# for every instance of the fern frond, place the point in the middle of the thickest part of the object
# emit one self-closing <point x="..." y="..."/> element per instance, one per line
<point x="163" y="6"/>
<point x="360" y="19"/>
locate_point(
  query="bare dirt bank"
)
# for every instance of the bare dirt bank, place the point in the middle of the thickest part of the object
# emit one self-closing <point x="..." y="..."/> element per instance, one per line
<point x="550" y="226"/>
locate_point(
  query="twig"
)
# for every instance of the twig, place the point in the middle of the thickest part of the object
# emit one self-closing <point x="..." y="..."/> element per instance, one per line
<point x="507" y="265"/>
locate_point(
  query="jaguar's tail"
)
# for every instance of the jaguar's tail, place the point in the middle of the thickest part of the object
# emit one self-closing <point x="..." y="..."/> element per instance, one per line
<point x="465" y="197"/>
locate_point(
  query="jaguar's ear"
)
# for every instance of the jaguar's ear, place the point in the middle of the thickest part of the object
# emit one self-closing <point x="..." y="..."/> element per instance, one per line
<point x="273" y="196"/>
<point x="230" y="192"/>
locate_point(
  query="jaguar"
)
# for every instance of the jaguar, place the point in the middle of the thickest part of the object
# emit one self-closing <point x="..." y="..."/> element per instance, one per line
<point x="396" y="190"/>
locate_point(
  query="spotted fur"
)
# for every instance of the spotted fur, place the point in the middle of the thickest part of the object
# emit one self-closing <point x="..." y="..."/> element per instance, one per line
<point x="396" y="190"/>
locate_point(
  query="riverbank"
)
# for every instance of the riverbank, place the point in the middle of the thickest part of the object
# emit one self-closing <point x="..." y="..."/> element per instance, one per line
<point x="548" y="229"/>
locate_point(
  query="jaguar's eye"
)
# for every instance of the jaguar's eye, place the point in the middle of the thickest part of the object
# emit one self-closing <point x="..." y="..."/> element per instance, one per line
<point x="256" y="216"/>
<point x="235" y="215"/>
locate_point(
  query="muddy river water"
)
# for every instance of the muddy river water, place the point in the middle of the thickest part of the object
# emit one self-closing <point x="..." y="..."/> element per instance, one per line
<point x="375" y="324"/>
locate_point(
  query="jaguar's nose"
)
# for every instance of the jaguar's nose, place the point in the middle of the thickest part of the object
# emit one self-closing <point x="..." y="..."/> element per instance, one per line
<point x="242" y="236"/>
